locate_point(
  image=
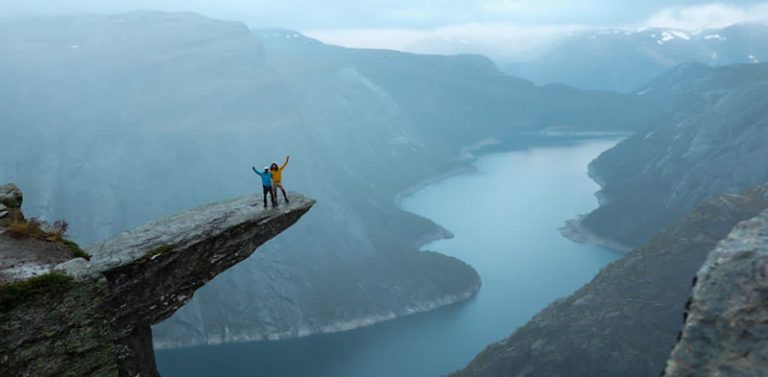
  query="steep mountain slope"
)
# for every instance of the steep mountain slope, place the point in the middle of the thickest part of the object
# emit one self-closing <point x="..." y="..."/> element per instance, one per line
<point x="143" y="114"/>
<point x="451" y="93"/>
<point x="151" y="113"/>
<point x="623" y="60"/>
<point x="624" y="322"/>
<point x="715" y="141"/>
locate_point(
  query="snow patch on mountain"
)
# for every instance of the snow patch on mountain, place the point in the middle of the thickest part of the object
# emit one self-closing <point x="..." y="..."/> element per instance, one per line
<point x="716" y="37"/>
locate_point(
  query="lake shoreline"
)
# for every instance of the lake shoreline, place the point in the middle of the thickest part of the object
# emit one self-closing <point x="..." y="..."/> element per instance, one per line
<point x="575" y="231"/>
<point x="466" y="158"/>
<point x="439" y="233"/>
<point x="335" y="327"/>
<point x="508" y="252"/>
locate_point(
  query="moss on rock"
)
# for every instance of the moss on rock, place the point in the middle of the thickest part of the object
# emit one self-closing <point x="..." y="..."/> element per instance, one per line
<point x="18" y="293"/>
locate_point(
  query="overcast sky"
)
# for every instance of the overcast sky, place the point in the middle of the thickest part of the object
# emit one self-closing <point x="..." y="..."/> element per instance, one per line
<point x="415" y="24"/>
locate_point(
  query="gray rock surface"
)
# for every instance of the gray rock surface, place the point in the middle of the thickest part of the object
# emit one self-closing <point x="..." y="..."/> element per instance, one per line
<point x="134" y="280"/>
<point x="64" y="332"/>
<point x="10" y="196"/>
<point x="39" y="257"/>
<point x="626" y="320"/>
<point x="726" y="332"/>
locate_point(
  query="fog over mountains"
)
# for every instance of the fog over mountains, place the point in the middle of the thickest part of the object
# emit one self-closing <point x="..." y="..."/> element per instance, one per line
<point x="121" y="119"/>
<point x="109" y="121"/>
<point x="625" y="60"/>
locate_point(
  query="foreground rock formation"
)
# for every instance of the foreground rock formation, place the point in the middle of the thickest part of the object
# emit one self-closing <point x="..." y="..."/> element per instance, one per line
<point x="626" y="320"/>
<point x="726" y="333"/>
<point x="95" y="320"/>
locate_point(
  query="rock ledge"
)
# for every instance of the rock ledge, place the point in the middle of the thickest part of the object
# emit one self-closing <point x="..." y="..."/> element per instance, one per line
<point x="101" y="326"/>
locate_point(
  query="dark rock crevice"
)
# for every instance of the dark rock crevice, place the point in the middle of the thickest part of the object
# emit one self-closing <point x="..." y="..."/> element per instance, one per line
<point x="137" y="357"/>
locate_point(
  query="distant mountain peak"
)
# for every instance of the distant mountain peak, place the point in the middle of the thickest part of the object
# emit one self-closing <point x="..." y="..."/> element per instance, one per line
<point x="625" y="60"/>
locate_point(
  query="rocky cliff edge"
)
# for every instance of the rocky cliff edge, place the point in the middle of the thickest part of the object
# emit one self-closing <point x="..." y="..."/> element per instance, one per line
<point x="93" y="318"/>
<point x="726" y="330"/>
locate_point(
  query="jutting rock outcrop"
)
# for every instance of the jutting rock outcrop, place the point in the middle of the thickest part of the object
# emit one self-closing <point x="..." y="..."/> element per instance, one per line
<point x="726" y="332"/>
<point x="93" y="318"/>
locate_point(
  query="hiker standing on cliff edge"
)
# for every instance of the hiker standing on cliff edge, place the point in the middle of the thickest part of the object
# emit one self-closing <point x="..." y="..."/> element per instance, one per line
<point x="266" y="185"/>
<point x="277" y="178"/>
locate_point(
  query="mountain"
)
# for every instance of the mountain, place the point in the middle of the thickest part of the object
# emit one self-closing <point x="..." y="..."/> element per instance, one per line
<point x="626" y="320"/>
<point x="144" y="114"/>
<point x="668" y="178"/>
<point x="715" y="141"/>
<point x="624" y="60"/>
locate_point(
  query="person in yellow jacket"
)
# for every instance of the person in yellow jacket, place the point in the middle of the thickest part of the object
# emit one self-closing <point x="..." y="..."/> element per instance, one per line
<point x="277" y="177"/>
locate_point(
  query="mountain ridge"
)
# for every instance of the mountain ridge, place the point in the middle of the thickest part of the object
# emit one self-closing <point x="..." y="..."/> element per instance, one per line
<point x="711" y="143"/>
<point x="624" y="60"/>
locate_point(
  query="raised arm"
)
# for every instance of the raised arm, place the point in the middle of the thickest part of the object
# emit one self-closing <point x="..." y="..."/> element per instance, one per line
<point x="256" y="171"/>
<point x="285" y="163"/>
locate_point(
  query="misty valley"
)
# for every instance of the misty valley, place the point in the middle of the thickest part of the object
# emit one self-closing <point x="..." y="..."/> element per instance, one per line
<point x="519" y="247"/>
<point x="600" y="209"/>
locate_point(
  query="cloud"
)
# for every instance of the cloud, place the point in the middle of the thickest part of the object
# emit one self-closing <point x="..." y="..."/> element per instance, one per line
<point x="506" y="30"/>
<point x="518" y="7"/>
<point x="510" y="37"/>
<point x="715" y="15"/>
<point x="500" y="41"/>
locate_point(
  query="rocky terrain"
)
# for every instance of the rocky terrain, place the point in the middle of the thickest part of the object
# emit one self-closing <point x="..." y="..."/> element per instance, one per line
<point x="39" y="256"/>
<point x="712" y="141"/>
<point x="93" y="317"/>
<point x="145" y="114"/>
<point x="625" y="60"/>
<point x="725" y="332"/>
<point x="626" y="320"/>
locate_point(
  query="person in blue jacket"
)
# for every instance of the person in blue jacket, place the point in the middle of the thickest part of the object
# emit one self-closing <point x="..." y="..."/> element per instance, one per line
<point x="266" y="184"/>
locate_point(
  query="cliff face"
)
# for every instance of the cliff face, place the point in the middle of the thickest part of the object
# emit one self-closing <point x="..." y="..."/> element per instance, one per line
<point x="713" y="141"/>
<point x="625" y="321"/>
<point x="725" y="332"/>
<point x="98" y="323"/>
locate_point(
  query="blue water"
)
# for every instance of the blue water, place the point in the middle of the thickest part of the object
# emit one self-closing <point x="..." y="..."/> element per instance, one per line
<point x="505" y="217"/>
